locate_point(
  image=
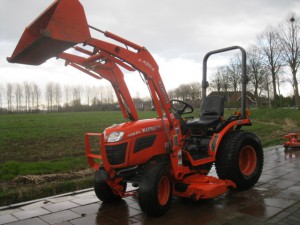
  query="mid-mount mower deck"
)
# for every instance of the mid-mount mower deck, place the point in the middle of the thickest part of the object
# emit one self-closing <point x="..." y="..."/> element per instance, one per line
<point x="165" y="156"/>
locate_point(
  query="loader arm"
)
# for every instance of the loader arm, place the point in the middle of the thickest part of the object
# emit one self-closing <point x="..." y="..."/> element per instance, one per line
<point x="63" y="25"/>
<point x="109" y="70"/>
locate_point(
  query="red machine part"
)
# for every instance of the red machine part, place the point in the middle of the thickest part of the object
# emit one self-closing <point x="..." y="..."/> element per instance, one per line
<point x="293" y="140"/>
<point x="204" y="187"/>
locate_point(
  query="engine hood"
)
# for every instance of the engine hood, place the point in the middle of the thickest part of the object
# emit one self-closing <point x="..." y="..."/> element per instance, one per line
<point x="136" y="128"/>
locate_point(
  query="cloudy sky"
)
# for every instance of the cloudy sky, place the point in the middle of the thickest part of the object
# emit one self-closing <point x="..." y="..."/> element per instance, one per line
<point x="177" y="33"/>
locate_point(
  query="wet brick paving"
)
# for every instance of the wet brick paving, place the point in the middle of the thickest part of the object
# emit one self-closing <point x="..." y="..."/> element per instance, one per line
<point x="275" y="200"/>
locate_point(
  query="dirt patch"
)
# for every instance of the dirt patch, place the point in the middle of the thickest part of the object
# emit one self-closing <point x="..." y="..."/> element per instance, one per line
<point x="30" y="180"/>
<point x="289" y="124"/>
<point x="41" y="179"/>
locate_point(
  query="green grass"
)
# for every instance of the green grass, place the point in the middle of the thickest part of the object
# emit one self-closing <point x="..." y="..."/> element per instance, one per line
<point x="12" y="169"/>
<point x="50" y="142"/>
<point x="272" y="124"/>
<point x="39" y="137"/>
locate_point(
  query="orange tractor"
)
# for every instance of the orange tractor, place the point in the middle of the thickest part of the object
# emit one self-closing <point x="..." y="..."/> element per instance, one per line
<point x="165" y="156"/>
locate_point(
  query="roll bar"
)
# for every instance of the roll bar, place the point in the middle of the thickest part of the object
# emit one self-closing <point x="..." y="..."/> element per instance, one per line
<point x="244" y="74"/>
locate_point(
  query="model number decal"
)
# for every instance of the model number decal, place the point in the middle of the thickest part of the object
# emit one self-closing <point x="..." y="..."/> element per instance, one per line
<point x="134" y="133"/>
<point x="145" y="130"/>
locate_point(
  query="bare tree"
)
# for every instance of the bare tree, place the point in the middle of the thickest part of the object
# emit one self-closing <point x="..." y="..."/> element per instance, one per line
<point x="57" y="95"/>
<point x="109" y="94"/>
<point x="76" y="95"/>
<point x="183" y="91"/>
<point x="27" y="95"/>
<point x="216" y="82"/>
<point x="223" y="73"/>
<point x="67" y="91"/>
<point x="37" y="95"/>
<point x="290" y="40"/>
<point x="9" y="96"/>
<point x="172" y="94"/>
<point x="18" y="96"/>
<point x="234" y="72"/>
<point x="32" y="96"/>
<point x="266" y="85"/>
<point x="269" y="44"/>
<point x="195" y="88"/>
<point x="88" y="92"/>
<point x="256" y="71"/>
<point x="49" y="94"/>
<point x="95" y="93"/>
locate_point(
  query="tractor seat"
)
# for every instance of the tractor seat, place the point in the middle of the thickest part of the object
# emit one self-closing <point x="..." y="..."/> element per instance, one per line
<point x="211" y="113"/>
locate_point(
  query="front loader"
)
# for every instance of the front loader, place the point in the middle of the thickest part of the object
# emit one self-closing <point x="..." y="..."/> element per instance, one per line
<point x="165" y="156"/>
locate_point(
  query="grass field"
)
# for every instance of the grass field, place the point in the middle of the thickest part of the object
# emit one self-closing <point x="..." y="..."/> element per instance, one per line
<point x="53" y="143"/>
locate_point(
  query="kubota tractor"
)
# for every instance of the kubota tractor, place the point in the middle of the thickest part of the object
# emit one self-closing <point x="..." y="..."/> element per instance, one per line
<point x="165" y="156"/>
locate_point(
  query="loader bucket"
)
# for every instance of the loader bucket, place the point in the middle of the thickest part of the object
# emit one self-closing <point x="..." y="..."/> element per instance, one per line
<point x="61" y="26"/>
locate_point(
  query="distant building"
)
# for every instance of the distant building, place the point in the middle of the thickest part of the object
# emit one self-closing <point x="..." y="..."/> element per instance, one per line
<point x="232" y="99"/>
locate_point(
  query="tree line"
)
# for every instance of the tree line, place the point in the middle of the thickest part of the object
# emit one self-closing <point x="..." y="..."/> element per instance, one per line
<point x="271" y="62"/>
<point x="29" y="97"/>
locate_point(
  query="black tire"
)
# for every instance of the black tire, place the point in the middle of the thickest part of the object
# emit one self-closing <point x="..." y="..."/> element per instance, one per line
<point x="102" y="190"/>
<point x="240" y="159"/>
<point x="155" y="191"/>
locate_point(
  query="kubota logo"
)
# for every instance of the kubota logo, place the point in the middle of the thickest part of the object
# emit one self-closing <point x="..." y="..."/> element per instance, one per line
<point x="146" y="63"/>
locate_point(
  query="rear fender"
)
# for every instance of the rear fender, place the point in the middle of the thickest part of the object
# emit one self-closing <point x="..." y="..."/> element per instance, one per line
<point x="218" y="137"/>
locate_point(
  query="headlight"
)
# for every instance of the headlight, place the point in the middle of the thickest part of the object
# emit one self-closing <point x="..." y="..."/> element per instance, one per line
<point x="115" y="136"/>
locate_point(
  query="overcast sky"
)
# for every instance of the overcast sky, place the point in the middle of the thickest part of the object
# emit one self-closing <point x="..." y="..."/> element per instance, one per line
<point x="177" y="33"/>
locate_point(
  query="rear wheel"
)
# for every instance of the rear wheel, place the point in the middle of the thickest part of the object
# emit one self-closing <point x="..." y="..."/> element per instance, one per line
<point x="240" y="159"/>
<point x="155" y="191"/>
<point x="103" y="190"/>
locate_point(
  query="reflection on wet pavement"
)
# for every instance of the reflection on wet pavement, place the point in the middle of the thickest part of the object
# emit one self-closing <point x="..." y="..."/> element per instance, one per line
<point x="274" y="200"/>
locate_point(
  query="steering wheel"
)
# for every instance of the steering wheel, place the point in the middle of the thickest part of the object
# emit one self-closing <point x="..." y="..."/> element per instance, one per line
<point x="181" y="107"/>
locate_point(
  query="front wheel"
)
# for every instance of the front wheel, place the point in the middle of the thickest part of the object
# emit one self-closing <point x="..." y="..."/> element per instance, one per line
<point x="155" y="191"/>
<point x="102" y="190"/>
<point x="240" y="159"/>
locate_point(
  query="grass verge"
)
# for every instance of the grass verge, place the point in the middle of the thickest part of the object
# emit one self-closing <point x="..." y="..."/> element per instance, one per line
<point x="28" y="193"/>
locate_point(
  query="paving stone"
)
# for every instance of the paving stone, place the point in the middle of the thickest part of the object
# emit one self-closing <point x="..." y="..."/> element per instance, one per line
<point x="236" y="219"/>
<point x="32" y="221"/>
<point x="87" y="209"/>
<point x="62" y="199"/>
<point x="94" y="219"/>
<point x="59" y="217"/>
<point x="279" y="202"/>
<point x="30" y="213"/>
<point x="9" y="211"/>
<point x="7" y="219"/>
<point x="86" y="200"/>
<point x="261" y="211"/>
<point x="132" y="221"/>
<point x="64" y="223"/>
<point x="84" y="194"/>
<point x="36" y="205"/>
<point x="60" y="206"/>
